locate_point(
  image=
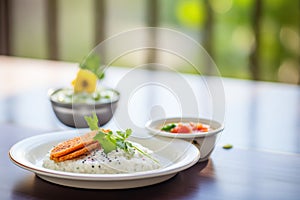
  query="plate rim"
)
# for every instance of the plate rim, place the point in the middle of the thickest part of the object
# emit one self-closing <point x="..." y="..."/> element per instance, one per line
<point x="97" y="177"/>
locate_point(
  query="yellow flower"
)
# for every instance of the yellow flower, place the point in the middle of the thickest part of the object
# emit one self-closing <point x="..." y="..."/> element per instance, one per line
<point x="85" y="81"/>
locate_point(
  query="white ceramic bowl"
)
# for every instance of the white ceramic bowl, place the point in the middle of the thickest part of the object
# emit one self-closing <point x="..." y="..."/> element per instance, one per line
<point x="204" y="141"/>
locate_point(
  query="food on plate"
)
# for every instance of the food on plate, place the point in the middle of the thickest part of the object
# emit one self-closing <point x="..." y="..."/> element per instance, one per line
<point x="100" y="152"/>
<point x="74" y="147"/>
<point x="189" y="127"/>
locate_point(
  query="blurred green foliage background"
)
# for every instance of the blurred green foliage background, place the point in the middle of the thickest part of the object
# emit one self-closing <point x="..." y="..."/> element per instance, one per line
<point x="233" y="37"/>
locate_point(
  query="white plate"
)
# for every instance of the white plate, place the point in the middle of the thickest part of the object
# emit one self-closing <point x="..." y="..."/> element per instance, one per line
<point x="174" y="155"/>
<point x="155" y="127"/>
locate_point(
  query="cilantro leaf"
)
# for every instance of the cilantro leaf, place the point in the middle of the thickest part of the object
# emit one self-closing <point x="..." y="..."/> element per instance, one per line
<point x="105" y="141"/>
<point x="110" y="141"/>
<point x="124" y="135"/>
<point x="92" y="63"/>
<point x="92" y="121"/>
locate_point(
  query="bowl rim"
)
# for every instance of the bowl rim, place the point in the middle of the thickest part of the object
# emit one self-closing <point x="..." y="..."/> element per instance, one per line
<point x="51" y="92"/>
<point x="151" y="127"/>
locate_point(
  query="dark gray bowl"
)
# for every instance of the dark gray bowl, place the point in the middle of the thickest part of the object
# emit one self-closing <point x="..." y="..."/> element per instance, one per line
<point x="72" y="114"/>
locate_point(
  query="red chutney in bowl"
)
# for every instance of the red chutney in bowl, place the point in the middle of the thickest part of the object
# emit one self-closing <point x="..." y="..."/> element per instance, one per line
<point x="189" y="127"/>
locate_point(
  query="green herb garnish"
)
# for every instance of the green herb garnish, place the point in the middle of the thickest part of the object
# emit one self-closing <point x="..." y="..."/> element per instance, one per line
<point x="227" y="146"/>
<point x="105" y="140"/>
<point x="168" y="127"/>
<point x="110" y="141"/>
<point x="92" y="62"/>
<point x="92" y="121"/>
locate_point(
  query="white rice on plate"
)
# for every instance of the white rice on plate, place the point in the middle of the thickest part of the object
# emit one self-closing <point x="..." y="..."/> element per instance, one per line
<point x="97" y="162"/>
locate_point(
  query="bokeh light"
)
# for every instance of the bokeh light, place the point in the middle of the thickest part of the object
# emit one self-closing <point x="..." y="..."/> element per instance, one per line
<point x="190" y="13"/>
<point x="243" y="39"/>
<point x="290" y="39"/>
<point x="221" y="6"/>
<point x="288" y="72"/>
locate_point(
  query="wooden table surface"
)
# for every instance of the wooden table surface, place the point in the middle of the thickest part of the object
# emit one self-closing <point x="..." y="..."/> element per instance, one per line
<point x="262" y="122"/>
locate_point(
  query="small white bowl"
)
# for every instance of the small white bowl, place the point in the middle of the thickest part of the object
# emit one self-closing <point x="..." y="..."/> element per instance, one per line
<point x="204" y="141"/>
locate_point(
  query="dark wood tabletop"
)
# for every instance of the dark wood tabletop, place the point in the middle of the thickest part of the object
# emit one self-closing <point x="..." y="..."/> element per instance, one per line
<point x="262" y="123"/>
